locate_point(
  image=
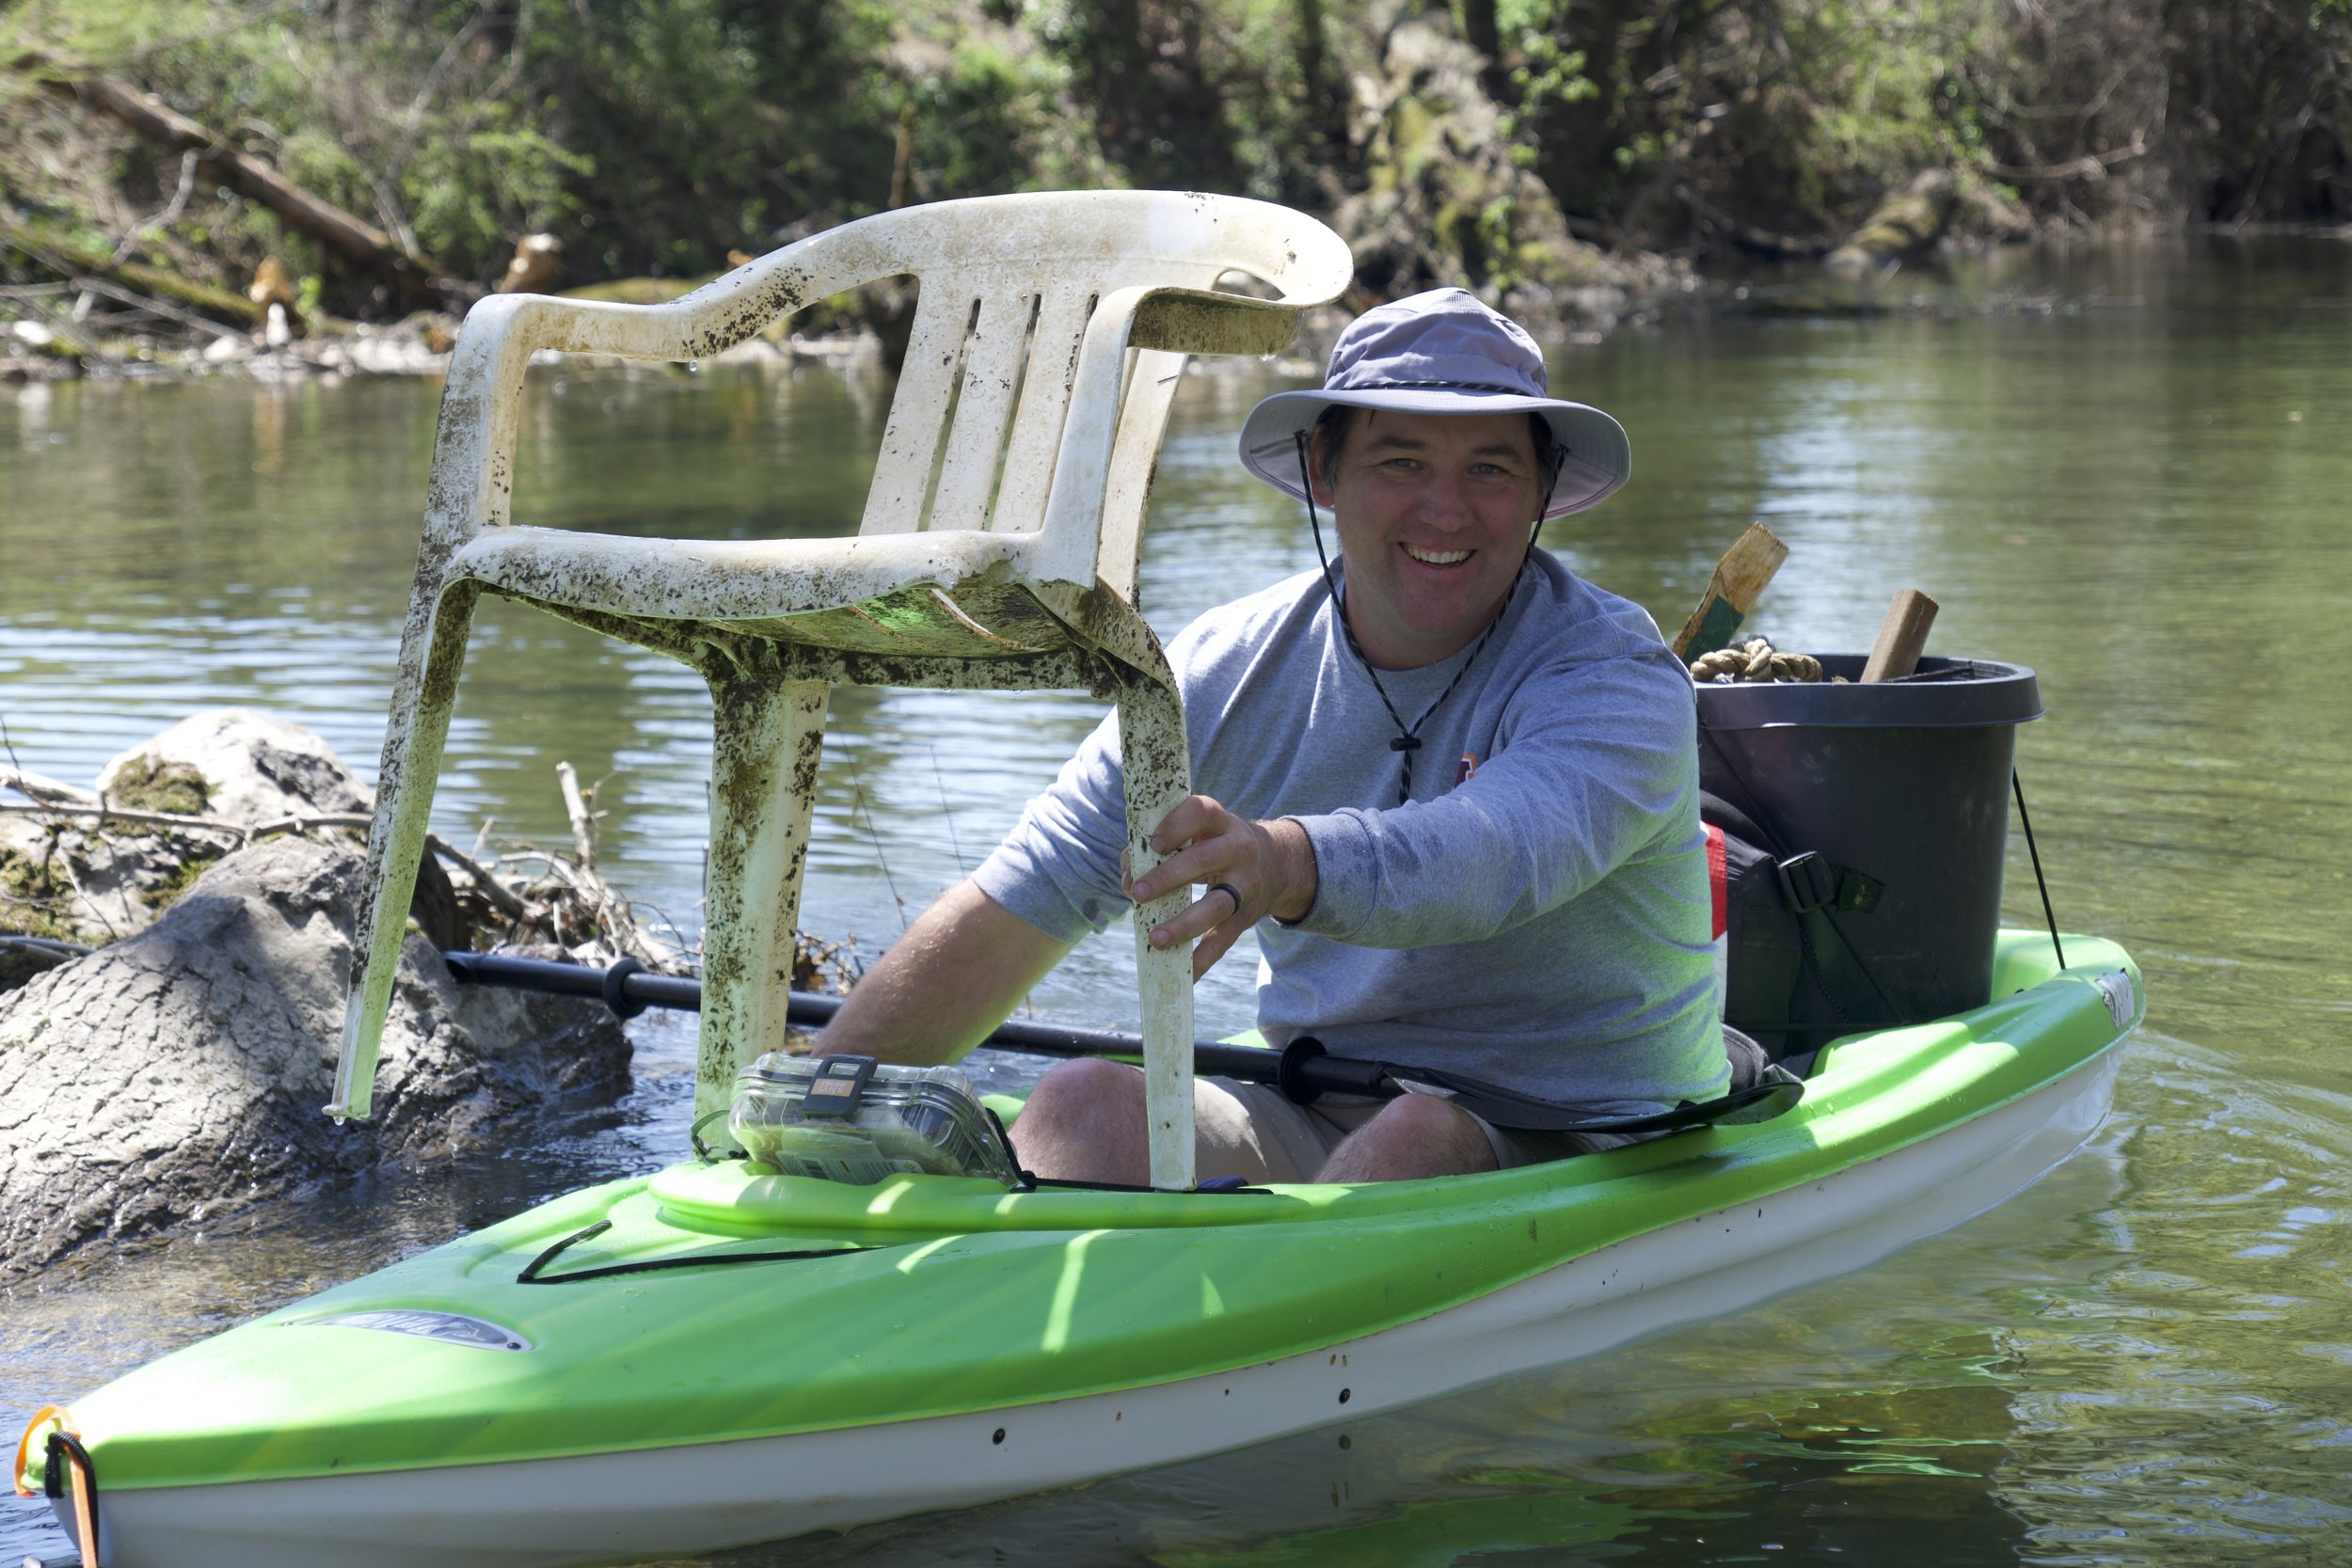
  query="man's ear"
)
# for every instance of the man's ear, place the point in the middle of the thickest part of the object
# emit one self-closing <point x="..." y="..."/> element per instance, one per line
<point x="1317" y="485"/>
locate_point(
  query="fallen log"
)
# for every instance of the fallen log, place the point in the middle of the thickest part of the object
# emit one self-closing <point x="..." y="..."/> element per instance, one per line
<point x="343" y="234"/>
<point x="1907" y="223"/>
<point x="78" y="262"/>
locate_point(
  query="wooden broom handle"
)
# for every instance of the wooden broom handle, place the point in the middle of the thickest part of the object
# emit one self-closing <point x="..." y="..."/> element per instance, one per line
<point x="1901" y="636"/>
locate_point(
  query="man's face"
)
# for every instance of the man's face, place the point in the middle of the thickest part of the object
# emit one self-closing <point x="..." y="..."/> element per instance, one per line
<point x="1434" y="513"/>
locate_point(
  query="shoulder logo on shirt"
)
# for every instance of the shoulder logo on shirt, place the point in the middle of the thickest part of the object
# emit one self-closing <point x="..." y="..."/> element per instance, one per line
<point x="1466" y="769"/>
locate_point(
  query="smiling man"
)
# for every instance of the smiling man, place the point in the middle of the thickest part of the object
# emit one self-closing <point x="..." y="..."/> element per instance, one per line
<point x="1456" y="782"/>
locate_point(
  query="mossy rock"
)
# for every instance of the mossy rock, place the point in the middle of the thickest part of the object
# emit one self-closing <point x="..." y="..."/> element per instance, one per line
<point x="146" y="784"/>
<point x="636" y="291"/>
<point x="167" y="892"/>
<point x="31" y="892"/>
<point x="24" y="877"/>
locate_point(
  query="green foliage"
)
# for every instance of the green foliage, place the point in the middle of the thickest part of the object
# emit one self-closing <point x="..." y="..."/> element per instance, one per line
<point x="995" y="116"/>
<point x="1803" y="109"/>
<point x="655" y="136"/>
<point x="477" y="192"/>
<point x="100" y="33"/>
<point x="1546" y="66"/>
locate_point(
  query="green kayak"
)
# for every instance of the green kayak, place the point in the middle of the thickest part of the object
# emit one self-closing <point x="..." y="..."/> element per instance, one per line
<point x="716" y="1355"/>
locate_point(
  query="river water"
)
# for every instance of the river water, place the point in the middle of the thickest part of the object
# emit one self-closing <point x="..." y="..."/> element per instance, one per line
<point x="2126" y="468"/>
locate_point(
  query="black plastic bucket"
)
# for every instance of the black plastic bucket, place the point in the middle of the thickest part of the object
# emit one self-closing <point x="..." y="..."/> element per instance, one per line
<point x="1906" y="782"/>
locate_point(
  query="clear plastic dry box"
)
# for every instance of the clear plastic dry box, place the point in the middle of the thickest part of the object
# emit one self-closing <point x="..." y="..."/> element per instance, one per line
<point x="852" y="1120"/>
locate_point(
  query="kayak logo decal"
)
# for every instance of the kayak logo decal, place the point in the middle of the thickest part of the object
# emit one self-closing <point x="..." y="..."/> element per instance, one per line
<point x="447" y="1328"/>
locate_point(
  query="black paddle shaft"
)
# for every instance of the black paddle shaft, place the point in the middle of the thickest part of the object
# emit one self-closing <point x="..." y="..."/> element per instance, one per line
<point x="629" y="989"/>
<point x="1301" y="1070"/>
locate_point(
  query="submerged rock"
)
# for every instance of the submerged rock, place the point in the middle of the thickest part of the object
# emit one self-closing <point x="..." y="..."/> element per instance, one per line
<point x="179" y="1074"/>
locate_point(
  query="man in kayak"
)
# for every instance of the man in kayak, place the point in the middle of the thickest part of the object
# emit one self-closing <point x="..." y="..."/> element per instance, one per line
<point x="1457" y="783"/>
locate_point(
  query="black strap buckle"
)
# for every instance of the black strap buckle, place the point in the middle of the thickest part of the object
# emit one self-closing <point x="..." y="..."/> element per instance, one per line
<point x="1807" y="881"/>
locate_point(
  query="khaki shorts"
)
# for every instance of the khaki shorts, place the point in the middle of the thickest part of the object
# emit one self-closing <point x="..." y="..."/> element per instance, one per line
<point x="1252" y="1132"/>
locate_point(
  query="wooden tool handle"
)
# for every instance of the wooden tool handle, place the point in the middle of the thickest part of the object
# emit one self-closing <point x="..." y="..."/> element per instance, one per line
<point x="1732" y="592"/>
<point x="1901" y="636"/>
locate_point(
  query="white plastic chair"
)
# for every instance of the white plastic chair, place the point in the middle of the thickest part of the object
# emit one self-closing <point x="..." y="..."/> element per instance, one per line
<point x="998" y="550"/>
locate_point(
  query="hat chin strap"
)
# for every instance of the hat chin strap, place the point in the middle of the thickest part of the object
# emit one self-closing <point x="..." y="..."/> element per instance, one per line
<point x="1407" y="739"/>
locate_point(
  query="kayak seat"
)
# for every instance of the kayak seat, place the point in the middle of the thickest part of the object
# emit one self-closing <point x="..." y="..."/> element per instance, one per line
<point x="997" y="550"/>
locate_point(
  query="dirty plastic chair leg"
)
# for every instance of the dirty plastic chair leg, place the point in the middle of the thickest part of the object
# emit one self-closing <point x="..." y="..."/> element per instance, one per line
<point x="769" y="735"/>
<point x="396" y="839"/>
<point x="1158" y="765"/>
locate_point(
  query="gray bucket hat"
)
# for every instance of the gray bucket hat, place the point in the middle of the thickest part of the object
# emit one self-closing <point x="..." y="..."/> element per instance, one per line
<point x="1442" y="352"/>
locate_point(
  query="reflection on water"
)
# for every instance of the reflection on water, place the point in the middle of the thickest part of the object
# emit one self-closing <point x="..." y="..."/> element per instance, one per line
<point x="2139" y="492"/>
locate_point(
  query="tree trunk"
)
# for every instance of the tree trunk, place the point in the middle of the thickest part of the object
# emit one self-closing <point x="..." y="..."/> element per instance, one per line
<point x="1483" y="31"/>
<point x="1313" y="82"/>
<point x="1578" y="141"/>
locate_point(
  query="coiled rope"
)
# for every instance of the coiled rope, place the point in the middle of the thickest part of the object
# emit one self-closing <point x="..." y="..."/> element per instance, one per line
<point x="1755" y="660"/>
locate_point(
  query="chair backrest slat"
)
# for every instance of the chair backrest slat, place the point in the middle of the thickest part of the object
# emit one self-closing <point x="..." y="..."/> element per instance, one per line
<point x="1063" y="309"/>
<point x="984" y="403"/>
<point x="927" y="385"/>
<point x="1006" y="289"/>
<point x="1143" y="417"/>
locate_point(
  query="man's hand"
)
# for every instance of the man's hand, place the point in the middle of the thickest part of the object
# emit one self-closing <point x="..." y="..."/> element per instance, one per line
<point x="1253" y="869"/>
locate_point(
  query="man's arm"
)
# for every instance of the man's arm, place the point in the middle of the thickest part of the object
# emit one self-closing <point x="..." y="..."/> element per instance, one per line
<point x="944" y="986"/>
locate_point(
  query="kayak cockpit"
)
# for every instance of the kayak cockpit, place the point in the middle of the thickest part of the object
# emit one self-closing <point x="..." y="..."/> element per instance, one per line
<point x="1866" y="1095"/>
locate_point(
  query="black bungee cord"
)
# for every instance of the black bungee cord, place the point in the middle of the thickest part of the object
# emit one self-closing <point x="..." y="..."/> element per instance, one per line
<point x="1407" y="739"/>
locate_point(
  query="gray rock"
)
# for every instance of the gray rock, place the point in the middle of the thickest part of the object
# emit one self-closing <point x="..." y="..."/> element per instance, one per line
<point x="177" y="1074"/>
<point x="236" y="765"/>
<point x="99" y="882"/>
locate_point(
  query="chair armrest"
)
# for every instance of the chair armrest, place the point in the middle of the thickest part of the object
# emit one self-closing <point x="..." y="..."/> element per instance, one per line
<point x="1163" y="319"/>
<point x="1201" y="320"/>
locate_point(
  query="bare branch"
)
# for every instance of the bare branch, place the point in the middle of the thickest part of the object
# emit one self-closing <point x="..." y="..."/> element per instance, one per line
<point x="168" y="215"/>
<point x="122" y="295"/>
<point x="501" y="897"/>
<point x="583" y="826"/>
<point x="36" y="788"/>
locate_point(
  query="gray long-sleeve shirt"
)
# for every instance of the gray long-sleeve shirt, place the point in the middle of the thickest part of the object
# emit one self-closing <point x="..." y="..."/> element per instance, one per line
<point x="1544" y="923"/>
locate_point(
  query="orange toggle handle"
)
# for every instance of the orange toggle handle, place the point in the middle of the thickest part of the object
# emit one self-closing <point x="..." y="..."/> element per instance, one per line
<point x="43" y="1417"/>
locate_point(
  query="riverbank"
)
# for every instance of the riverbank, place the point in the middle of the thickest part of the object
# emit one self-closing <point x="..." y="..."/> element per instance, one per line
<point x="41" y="341"/>
<point x="130" y="345"/>
<point x="411" y="158"/>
